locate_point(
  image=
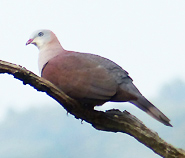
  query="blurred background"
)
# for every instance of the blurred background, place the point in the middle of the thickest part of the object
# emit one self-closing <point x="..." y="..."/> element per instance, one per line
<point x="145" y="37"/>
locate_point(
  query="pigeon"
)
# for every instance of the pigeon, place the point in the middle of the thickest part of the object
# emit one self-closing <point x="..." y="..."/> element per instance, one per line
<point x="90" y="79"/>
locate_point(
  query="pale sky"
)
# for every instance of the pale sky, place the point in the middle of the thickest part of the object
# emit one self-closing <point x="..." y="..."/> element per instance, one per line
<point x="144" y="37"/>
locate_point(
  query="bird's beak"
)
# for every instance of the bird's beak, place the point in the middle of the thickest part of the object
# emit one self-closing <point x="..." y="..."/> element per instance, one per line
<point x="29" y="41"/>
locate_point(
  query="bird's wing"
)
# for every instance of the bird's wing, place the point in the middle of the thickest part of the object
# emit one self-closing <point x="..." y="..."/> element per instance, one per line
<point x="80" y="76"/>
<point x="126" y="90"/>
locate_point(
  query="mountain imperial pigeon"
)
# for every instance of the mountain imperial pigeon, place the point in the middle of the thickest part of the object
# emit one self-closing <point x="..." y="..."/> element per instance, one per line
<point x="90" y="79"/>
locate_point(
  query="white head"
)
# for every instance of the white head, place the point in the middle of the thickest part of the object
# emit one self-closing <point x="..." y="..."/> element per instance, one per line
<point x="47" y="43"/>
<point x="41" y="38"/>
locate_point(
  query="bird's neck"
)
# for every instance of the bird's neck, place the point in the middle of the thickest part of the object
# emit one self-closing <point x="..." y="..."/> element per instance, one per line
<point x="48" y="52"/>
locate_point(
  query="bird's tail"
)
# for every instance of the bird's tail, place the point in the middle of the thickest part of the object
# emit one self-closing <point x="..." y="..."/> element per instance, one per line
<point x="150" y="109"/>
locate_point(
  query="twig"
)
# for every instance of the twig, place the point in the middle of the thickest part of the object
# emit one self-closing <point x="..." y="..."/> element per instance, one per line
<point x="112" y="120"/>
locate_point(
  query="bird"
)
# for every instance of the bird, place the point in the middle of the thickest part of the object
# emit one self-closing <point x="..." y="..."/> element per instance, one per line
<point x="90" y="79"/>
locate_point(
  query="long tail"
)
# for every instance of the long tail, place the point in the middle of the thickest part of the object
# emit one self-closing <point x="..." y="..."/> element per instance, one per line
<point x="150" y="109"/>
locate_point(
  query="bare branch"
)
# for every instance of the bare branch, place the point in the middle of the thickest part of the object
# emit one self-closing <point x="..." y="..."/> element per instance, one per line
<point x="112" y="120"/>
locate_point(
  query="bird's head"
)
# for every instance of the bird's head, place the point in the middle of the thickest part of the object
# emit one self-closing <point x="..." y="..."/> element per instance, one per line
<point x="40" y="38"/>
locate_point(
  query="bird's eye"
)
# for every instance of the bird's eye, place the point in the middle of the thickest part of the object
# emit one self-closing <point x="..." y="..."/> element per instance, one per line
<point x="40" y="33"/>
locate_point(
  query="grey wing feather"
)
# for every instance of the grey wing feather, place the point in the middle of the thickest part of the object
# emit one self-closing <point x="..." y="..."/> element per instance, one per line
<point x="129" y="90"/>
<point x="117" y="72"/>
<point x="150" y="109"/>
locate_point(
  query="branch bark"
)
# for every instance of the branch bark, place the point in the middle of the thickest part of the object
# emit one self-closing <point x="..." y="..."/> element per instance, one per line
<point x="111" y="121"/>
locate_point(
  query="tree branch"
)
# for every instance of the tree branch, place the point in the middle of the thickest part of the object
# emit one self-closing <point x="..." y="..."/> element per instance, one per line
<point x="112" y="120"/>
